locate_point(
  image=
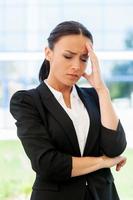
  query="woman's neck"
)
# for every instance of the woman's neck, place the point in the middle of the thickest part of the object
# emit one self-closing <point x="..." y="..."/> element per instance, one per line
<point x="64" y="89"/>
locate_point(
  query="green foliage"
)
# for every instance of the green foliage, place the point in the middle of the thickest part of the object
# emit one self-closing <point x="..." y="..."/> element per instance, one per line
<point x="124" y="178"/>
<point x="120" y="90"/>
<point x="16" y="176"/>
<point x="124" y="88"/>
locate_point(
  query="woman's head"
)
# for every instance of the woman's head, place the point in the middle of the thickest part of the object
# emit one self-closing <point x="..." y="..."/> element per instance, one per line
<point x="66" y="55"/>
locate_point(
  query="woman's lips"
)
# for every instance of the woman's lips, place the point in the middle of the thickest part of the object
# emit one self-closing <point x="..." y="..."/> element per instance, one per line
<point x="73" y="75"/>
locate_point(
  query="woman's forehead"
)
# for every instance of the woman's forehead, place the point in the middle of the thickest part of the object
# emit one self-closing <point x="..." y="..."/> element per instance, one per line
<point x="74" y="43"/>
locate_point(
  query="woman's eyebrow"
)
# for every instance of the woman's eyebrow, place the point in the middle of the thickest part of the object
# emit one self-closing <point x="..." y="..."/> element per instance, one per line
<point x="71" y="52"/>
<point x="74" y="53"/>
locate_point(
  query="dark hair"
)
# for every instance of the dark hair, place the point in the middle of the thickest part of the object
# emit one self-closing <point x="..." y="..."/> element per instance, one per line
<point x="62" y="29"/>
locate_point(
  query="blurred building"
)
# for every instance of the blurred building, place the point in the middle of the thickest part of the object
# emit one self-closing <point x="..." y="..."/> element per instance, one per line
<point x="25" y="26"/>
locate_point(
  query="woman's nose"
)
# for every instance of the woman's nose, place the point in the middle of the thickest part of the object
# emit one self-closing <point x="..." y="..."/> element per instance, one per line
<point x="76" y="65"/>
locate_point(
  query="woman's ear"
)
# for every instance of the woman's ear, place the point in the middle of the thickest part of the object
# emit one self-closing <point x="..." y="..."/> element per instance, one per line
<point x="48" y="53"/>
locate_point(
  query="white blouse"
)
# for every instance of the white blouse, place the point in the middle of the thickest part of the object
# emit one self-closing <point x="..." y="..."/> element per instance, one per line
<point x="77" y="113"/>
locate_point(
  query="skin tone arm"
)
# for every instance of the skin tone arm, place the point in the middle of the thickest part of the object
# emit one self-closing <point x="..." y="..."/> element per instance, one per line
<point x="85" y="165"/>
<point x="109" y="119"/>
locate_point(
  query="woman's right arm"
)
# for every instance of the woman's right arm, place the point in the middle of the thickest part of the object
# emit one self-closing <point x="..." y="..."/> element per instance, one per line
<point x="46" y="160"/>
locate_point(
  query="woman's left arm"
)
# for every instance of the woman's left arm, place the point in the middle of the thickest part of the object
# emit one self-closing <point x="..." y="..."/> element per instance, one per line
<point x="113" y="140"/>
<point x="109" y="118"/>
<point x="112" y="134"/>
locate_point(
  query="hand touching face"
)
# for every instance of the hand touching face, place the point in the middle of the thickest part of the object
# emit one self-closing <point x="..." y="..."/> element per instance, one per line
<point x="95" y="77"/>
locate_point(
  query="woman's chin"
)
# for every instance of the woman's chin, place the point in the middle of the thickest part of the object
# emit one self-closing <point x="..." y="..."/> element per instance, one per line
<point x="71" y="82"/>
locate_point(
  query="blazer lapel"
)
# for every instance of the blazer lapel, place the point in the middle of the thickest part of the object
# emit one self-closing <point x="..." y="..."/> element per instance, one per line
<point x="94" y="118"/>
<point x="54" y="107"/>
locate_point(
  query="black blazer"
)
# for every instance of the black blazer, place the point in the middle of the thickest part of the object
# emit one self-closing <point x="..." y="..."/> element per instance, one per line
<point x="49" y="139"/>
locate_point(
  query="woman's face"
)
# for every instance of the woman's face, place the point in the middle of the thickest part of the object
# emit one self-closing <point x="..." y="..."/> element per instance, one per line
<point x="68" y="59"/>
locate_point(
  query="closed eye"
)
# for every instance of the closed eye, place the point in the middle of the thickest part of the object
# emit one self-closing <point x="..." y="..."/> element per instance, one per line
<point x="67" y="57"/>
<point x="70" y="57"/>
<point x="84" y="60"/>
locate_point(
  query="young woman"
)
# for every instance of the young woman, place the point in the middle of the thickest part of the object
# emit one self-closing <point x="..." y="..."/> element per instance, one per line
<point x="71" y="135"/>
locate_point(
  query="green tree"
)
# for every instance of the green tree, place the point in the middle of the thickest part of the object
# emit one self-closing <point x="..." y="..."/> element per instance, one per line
<point x="123" y="88"/>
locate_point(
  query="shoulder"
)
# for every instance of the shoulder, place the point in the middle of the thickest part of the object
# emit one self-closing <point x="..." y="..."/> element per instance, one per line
<point x="90" y="91"/>
<point x="22" y="99"/>
<point x="21" y="96"/>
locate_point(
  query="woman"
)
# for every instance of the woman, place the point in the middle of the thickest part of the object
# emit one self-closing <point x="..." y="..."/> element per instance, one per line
<point x="72" y="135"/>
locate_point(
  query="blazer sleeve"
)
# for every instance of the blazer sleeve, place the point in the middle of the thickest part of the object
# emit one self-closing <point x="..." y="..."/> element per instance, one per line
<point x="112" y="142"/>
<point x="46" y="160"/>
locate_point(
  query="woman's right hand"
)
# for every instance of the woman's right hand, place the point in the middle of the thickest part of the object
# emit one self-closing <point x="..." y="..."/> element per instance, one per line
<point x="118" y="161"/>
